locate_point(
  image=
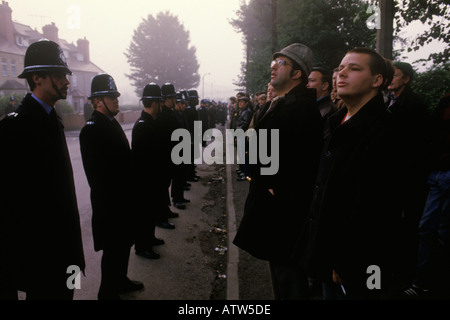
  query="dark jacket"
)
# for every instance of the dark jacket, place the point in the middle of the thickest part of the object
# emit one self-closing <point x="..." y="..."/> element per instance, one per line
<point x="39" y="221"/>
<point x="107" y="163"/>
<point x="203" y="117"/>
<point x="326" y="108"/>
<point x="414" y="124"/>
<point x="355" y="211"/>
<point x="151" y="185"/>
<point x="245" y="117"/>
<point x="147" y="146"/>
<point x="270" y="223"/>
<point x="167" y="122"/>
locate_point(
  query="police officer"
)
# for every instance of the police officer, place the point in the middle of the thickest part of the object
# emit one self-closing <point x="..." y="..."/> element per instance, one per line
<point x="191" y="115"/>
<point x="203" y="117"/>
<point x="167" y="123"/>
<point x="146" y="149"/>
<point x="11" y="106"/>
<point x="106" y="156"/>
<point x="40" y="233"/>
<point x="179" y="172"/>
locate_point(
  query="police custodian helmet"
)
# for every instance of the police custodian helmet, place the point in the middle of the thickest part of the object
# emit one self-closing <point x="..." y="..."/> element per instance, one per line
<point x="151" y="92"/>
<point x="181" y="96"/>
<point x="168" y="91"/>
<point x="103" y="85"/>
<point x="44" y="56"/>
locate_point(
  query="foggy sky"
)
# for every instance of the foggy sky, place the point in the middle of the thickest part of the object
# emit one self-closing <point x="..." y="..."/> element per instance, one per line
<point x="109" y="26"/>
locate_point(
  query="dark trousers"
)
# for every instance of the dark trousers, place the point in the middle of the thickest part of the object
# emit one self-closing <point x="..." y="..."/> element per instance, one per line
<point x="114" y="267"/>
<point x="145" y="233"/>
<point x="178" y="183"/>
<point x="45" y="286"/>
<point x="289" y="281"/>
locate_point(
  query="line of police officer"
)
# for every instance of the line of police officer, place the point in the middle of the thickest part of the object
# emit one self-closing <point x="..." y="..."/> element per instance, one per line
<point x="40" y="238"/>
<point x="130" y="186"/>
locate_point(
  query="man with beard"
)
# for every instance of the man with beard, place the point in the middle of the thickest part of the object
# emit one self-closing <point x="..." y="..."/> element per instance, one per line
<point x="277" y="204"/>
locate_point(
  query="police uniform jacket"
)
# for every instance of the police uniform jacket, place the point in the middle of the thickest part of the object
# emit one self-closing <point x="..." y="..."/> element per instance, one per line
<point x="355" y="214"/>
<point x="190" y="115"/>
<point x="271" y="222"/>
<point x="107" y="163"/>
<point x="167" y="122"/>
<point x="203" y="117"/>
<point x="146" y="146"/>
<point x="40" y="232"/>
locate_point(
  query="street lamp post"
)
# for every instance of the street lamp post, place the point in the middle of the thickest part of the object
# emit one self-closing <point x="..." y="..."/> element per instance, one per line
<point x="203" y="84"/>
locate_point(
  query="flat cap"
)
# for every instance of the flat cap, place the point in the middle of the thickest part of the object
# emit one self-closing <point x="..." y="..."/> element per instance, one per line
<point x="299" y="53"/>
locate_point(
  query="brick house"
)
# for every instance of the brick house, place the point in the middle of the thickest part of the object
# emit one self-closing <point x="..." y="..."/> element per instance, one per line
<point x="14" y="41"/>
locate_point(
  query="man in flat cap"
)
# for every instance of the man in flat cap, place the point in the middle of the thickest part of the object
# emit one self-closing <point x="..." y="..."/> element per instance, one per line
<point x="277" y="204"/>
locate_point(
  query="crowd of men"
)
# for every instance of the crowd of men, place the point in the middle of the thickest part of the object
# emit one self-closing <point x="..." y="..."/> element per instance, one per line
<point x="363" y="180"/>
<point x="359" y="207"/>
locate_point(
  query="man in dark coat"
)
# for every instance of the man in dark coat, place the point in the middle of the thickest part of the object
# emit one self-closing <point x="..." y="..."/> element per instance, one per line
<point x="40" y="234"/>
<point x="277" y="204"/>
<point x="349" y="239"/>
<point x="146" y="146"/>
<point x="106" y="156"/>
<point x="203" y="117"/>
<point x="191" y="116"/>
<point x="321" y="80"/>
<point x="179" y="170"/>
<point x="413" y="121"/>
<point x="167" y="123"/>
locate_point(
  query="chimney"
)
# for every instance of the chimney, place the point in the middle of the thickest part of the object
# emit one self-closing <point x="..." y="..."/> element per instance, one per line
<point x="6" y="24"/>
<point x="83" y="48"/>
<point x="50" y="32"/>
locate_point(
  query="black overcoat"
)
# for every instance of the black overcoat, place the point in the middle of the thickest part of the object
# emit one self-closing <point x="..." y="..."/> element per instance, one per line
<point x="270" y="223"/>
<point x="39" y="221"/>
<point x="355" y="211"/>
<point x="107" y="163"/>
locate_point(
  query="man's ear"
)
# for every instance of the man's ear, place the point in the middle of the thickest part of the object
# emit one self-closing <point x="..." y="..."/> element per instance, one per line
<point x="36" y="78"/>
<point x="297" y="74"/>
<point x="409" y="79"/>
<point x="378" y="81"/>
<point x="96" y="102"/>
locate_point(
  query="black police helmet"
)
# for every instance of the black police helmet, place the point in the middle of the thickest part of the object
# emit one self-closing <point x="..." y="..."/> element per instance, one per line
<point x="186" y="95"/>
<point x="193" y="94"/>
<point x="181" y="96"/>
<point x="151" y="92"/>
<point x="44" y="56"/>
<point x="103" y="85"/>
<point x="168" y="91"/>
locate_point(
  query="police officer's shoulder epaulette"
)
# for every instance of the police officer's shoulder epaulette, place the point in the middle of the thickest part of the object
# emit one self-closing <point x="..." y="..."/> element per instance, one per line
<point x="90" y="122"/>
<point x="12" y="115"/>
<point x="141" y="121"/>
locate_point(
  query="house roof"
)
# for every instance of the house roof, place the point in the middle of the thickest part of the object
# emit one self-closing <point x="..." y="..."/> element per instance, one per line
<point x="13" y="85"/>
<point x="33" y="36"/>
<point x="10" y="47"/>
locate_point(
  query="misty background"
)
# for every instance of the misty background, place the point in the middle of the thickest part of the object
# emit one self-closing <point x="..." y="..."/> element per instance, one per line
<point x="109" y="26"/>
